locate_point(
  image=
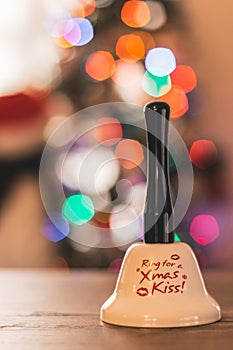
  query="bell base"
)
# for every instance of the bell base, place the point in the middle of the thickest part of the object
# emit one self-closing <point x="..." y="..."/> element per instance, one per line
<point x="153" y="322"/>
<point x="160" y="286"/>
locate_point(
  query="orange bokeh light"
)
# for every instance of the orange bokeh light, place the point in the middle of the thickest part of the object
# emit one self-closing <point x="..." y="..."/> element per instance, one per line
<point x="84" y="8"/>
<point x="147" y="39"/>
<point x="129" y="153"/>
<point x="135" y="13"/>
<point x="203" y="153"/>
<point x="130" y="48"/>
<point x="177" y="100"/>
<point x="100" y="65"/>
<point x="185" y="77"/>
<point x="62" y="42"/>
<point x="108" y="131"/>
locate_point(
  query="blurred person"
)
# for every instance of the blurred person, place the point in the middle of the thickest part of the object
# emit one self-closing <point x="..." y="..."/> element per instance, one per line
<point x="21" y="213"/>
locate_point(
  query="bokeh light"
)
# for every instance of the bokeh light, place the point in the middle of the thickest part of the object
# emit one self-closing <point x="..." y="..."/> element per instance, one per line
<point x="78" y="209"/>
<point x="50" y="227"/>
<point x="158" y="16"/>
<point x="204" y="229"/>
<point x="108" y="131"/>
<point x="129" y="153"/>
<point x="100" y="65"/>
<point x="115" y="265"/>
<point x="84" y="8"/>
<point x="79" y="10"/>
<point x="147" y="39"/>
<point x="86" y="29"/>
<point x="91" y="171"/>
<point x="203" y="153"/>
<point x="177" y="100"/>
<point x="64" y="27"/>
<point x="62" y="42"/>
<point x="89" y="7"/>
<point x="160" y="61"/>
<point x="125" y="225"/>
<point x="68" y="168"/>
<point x="127" y="74"/>
<point x="128" y="82"/>
<point x="135" y="13"/>
<point x="58" y="24"/>
<point x="58" y="262"/>
<point x="130" y="48"/>
<point x="74" y="34"/>
<point x="156" y="86"/>
<point x="136" y="197"/>
<point x="185" y="77"/>
<point x="177" y="238"/>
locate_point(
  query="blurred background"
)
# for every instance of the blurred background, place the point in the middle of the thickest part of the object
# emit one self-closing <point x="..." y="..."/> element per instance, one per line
<point x="60" y="58"/>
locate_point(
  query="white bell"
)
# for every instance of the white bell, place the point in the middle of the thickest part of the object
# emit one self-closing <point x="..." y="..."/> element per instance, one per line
<point x="160" y="285"/>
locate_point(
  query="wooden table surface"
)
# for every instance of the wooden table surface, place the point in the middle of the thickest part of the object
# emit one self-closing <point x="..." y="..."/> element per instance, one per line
<point x="57" y="310"/>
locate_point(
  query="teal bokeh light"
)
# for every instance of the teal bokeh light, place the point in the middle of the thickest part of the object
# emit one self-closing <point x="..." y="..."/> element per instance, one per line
<point x="156" y="86"/>
<point x="78" y="209"/>
<point x="177" y="238"/>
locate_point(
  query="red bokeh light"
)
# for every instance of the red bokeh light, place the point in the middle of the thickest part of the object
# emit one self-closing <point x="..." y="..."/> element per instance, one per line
<point x="185" y="77"/>
<point x="108" y="131"/>
<point x="203" y="153"/>
<point x="100" y="65"/>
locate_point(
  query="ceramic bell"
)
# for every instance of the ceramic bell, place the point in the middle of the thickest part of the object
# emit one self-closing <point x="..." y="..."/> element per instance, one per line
<point x="160" y="283"/>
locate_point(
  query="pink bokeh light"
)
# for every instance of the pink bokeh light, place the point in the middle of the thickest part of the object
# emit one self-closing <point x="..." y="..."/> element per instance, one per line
<point x="204" y="229"/>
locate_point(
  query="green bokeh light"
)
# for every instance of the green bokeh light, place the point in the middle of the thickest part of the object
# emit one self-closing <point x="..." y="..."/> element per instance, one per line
<point x="78" y="209"/>
<point x="177" y="238"/>
<point x="156" y="86"/>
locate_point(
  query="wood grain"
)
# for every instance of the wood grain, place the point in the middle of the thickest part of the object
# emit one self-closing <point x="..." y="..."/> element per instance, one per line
<point x="52" y="309"/>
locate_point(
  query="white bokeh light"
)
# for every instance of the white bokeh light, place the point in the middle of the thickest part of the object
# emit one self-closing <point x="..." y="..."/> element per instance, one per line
<point x="158" y="16"/>
<point x="136" y="197"/>
<point x="91" y="171"/>
<point x="160" y="61"/>
<point x="125" y="225"/>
